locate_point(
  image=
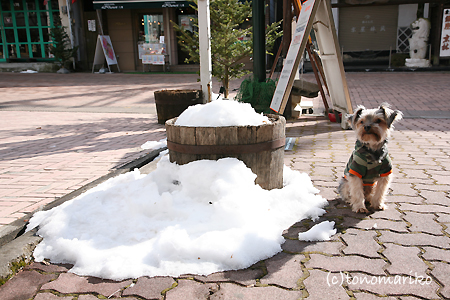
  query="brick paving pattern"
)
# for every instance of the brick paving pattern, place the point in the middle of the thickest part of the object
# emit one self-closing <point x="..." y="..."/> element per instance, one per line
<point x="400" y="253"/>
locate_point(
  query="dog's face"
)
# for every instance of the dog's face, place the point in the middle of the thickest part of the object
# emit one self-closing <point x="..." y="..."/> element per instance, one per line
<point x="373" y="126"/>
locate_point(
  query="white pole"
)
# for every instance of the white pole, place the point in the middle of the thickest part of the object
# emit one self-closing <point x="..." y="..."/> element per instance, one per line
<point x="204" y="32"/>
<point x="70" y="28"/>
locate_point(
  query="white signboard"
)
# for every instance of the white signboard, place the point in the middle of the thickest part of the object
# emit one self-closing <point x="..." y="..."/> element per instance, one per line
<point x="104" y="46"/>
<point x="330" y="55"/>
<point x="445" y="35"/>
<point x="293" y="56"/>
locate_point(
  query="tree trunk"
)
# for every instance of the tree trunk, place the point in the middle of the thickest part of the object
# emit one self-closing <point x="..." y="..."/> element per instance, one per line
<point x="226" y="84"/>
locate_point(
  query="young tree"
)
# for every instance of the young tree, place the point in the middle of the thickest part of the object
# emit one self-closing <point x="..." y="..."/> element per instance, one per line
<point x="231" y="39"/>
<point x="61" y="47"/>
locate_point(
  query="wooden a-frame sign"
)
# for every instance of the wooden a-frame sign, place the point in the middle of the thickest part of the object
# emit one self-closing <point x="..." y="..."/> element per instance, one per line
<point x="104" y="51"/>
<point x="315" y="14"/>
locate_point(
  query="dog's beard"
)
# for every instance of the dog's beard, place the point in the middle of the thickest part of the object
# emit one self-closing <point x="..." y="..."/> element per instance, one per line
<point x="372" y="138"/>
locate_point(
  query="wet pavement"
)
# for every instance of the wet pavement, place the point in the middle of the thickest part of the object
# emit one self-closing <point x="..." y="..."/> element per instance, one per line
<point x="60" y="133"/>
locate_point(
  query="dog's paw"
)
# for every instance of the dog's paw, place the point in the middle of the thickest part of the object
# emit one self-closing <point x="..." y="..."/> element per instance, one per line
<point x="380" y="206"/>
<point x="360" y="209"/>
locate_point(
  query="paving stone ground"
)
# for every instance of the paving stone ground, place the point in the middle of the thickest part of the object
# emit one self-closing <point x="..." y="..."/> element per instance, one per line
<point x="400" y="253"/>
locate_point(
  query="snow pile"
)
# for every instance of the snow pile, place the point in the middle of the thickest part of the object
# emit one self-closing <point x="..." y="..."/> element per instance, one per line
<point x="153" y="145"/>
<point x="198" y="218"/>
<point x="320" y="232"/>
<point x="221" y="113"/>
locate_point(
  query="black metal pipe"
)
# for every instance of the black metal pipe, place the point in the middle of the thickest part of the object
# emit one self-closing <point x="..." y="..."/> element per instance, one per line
<point x="259" y="42"/>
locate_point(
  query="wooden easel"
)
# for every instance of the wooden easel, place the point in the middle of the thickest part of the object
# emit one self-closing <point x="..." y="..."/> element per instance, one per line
<point x="315" y="61"/>
<point x="315" y="14"/>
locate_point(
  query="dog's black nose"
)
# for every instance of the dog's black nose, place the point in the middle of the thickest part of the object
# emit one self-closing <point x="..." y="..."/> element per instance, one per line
<point x="367" y="128"/>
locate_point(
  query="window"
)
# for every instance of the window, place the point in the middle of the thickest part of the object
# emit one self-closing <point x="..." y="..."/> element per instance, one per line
<point x="151" y="29"/>
<point x="25" y="27"/>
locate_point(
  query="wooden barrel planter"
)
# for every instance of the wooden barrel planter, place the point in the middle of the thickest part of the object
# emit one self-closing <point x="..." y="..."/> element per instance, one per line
<point x="171" y="103"/>
<point x="261" y="148"/>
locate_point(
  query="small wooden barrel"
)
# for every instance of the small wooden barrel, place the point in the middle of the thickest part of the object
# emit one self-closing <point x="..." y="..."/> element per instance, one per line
<point x="171" y="103"/>
<point x="261" y="148"/>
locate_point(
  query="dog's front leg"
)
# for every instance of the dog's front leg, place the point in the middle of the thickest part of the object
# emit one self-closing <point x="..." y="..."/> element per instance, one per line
<point x="377" y="200"/>
<point x="357" y="194"/>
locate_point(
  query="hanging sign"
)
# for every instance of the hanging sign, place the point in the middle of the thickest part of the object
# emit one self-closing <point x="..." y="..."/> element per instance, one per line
<point x="317" y="14"/>
<point x="445" y="34"/>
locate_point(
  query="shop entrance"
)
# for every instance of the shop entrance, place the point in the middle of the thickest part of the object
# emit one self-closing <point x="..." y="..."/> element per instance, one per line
<point x="151" y="40"/>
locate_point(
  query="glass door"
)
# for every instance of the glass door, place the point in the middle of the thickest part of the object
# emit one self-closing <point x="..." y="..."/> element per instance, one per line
<point x="152" y="29"/>
<point x="151" y="45"/>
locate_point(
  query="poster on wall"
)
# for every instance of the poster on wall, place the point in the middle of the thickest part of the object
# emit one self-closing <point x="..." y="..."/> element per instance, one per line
<point x="91" y="25"/>
<point x="445" y="35"/>
<point x="186" y="22"/>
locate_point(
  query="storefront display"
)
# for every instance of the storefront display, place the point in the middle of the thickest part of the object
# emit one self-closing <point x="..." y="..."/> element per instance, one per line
<point x="151" y="46"/>
<point x="153" y="54"/>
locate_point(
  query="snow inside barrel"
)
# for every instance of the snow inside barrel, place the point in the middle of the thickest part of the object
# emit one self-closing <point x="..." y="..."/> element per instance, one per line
<point x="260" y="147"/>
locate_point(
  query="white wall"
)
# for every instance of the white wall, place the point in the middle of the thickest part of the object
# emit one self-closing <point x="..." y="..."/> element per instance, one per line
<point x="407" y="13"/>
<point x="64" y="17"/>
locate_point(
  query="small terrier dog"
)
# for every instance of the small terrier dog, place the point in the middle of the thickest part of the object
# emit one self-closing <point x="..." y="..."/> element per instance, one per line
<point x="368" y="171"/>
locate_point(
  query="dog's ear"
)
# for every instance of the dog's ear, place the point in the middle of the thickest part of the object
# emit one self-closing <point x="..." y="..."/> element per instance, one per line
<point x="389" y="115"/>
<point x="352" y="119"/>
<point x="395" y="116"/>
<point x="384" y="110"/>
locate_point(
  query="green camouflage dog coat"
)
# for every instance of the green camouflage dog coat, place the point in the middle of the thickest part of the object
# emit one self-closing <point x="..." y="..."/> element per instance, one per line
<point x="367" y="164"/>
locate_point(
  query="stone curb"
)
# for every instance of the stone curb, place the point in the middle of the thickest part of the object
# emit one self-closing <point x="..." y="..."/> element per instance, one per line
<point x="16" y="245"/>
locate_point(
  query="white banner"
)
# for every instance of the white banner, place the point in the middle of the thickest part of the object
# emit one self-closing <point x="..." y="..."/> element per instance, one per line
<point x="445" y="35"/>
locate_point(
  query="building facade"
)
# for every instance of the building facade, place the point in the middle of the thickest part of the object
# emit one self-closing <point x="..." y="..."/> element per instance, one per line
<point x="368" y="28"/>
<point x="139" y="28"/>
